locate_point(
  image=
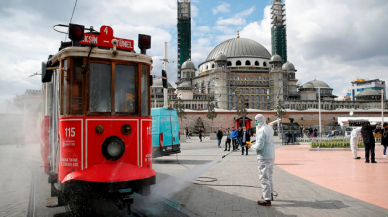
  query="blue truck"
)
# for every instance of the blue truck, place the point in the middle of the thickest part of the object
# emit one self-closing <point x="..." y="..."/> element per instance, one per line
<point x="165" y="132"/>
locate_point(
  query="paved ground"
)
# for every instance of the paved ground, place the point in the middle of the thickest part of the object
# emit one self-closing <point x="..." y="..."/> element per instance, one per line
<point x="337" y="170"/>
<point x="297" y="196"/>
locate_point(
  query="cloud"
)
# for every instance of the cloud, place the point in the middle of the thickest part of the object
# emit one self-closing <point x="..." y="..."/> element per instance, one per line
<point x="222" y="8"/>
<point x="237" y="20"/>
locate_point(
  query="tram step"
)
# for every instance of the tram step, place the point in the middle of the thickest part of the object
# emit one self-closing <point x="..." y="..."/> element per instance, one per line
<point x="52" y="202"/>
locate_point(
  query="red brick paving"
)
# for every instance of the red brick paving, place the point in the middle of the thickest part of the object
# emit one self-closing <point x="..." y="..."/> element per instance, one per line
<point x="338" y="171"/>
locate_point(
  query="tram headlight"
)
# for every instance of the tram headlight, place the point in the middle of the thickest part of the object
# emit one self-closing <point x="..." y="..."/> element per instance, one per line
<point x="113" y="148"/>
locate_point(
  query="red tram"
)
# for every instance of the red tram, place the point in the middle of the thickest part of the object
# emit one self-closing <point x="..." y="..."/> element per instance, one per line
<point x="96" y="131"/>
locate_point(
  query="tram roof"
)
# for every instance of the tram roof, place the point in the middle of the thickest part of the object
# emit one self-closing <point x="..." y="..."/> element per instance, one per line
<point x="100" y="54"/>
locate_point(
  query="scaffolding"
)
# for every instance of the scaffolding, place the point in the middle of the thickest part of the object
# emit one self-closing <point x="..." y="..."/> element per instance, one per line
<point x="278" y="29"/>
<point x="184" y="33"/>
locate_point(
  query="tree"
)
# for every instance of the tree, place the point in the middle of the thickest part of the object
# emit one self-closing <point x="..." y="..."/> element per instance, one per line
<point x="242" y="107"/>
<point x="180" y="109"/>
<point x="211" y="112"/>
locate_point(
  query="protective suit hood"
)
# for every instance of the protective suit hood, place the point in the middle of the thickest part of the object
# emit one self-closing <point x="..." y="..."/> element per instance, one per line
<point x="260" y="119"/>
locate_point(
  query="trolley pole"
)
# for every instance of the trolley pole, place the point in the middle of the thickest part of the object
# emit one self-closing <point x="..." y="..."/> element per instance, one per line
<point x="382" y="107"/>
<point x="319" y="109"/>
<point x="165" y="90"/>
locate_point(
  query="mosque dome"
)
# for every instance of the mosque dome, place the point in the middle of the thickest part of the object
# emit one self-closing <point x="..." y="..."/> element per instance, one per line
<point x="159" y="83"/>
<point x="315" y="84"/>
<point x="221" y="57"/>
<point x="288" y="66"/>
<point x="275" y="58"/>
<point x="188" y="65"/>
<point x="369" y="92"/>
<point x="239" y="47"/>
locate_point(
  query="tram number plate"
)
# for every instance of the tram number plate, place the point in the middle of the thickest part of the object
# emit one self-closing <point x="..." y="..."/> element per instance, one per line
<point x="169" y="148"/>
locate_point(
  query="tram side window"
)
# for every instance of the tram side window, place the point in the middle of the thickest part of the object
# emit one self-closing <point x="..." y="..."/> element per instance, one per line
<point x="76" y="98"/>
<point x="100" y="77"/>
<point x="145" y="88"/>
<point x="125" y="89"/>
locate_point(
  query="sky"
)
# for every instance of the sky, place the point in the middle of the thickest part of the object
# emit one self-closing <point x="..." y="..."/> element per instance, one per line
<point x="335" y="41"/>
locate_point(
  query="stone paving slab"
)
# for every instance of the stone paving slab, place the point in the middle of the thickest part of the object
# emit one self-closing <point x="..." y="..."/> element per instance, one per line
<point x="297" y="197"/>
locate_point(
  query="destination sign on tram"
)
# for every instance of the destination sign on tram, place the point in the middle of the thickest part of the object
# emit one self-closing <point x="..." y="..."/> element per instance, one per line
<point x="105" y="39"/>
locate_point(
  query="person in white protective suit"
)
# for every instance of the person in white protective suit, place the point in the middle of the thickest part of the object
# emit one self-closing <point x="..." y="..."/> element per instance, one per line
<point x="354" y="137"/>
<point x="265" y="151"/>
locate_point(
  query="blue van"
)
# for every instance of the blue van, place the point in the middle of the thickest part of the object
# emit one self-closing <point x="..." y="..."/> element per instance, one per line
<point x="165" y="132"/>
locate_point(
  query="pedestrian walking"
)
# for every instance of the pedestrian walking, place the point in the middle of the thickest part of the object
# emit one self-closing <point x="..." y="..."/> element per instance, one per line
<point x="239" y="131"/>
<point x="315" y="132"/>
<point x="219" y="137"/>
<point x="301" y="131"/>
<point x="187" y="133"/>
<point x="354" y="137"/>
<point x="228" y="135"/>
<point x="234" y="138"/>
<point x="245" y="137"/>
<point x="265" y="157"/>
<point x="384" y="138"/>
<point x="200" y="134"/>
<point x="369" y="141"/>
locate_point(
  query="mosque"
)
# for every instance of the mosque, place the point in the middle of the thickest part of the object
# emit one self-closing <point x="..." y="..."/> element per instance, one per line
<point x="243" y="70"/>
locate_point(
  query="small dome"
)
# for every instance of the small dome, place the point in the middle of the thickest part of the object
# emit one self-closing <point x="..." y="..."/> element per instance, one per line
<point x="288" y="66"/>
<point x="184" y="85"/>
<point x="221" y="57"/>
<point x="159" y="83"/>
<point x="275" y="58"/>
<point x="188" y="65"/>
<point x="316" y="84"/>
<point x="369" y="92"/>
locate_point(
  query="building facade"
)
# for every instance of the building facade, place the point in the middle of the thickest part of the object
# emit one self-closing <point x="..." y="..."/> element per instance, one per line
<point x="184" y="33"/>
<point x="359" y="85"/>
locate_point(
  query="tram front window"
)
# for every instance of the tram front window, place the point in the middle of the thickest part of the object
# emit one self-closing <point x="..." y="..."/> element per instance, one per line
<point x="100" y="77"/>
<point x="125" y="89"/>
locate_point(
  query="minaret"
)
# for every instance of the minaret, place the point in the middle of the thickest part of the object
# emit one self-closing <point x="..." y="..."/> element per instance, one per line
<point x="184" y="33"/>
<point x="278" y="29"/>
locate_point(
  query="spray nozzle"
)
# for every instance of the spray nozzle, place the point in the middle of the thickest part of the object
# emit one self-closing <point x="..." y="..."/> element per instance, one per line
<point x="224" y="156"/>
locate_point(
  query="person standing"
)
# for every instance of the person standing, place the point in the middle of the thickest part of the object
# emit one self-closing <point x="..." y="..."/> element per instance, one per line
<point x="315" y="132"/>
<point x="200" y="134"/>
<point x="354" y="137"/>
<point x="245" y="137"/>
<point x="384" y="138"/>
<point x="369" y="141"/>
<point x="219" y="137"/>
<point x="234" y="136"/>
<point x="301" y="132"/>
<point x="228" y="135"/>
<point x="265" y="151"/>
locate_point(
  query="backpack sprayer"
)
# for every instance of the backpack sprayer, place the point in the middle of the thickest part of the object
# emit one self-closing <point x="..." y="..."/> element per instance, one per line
<point x="248" y="145"/>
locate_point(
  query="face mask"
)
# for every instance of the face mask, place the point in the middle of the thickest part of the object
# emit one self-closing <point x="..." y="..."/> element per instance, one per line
<point x="256" y="123"/>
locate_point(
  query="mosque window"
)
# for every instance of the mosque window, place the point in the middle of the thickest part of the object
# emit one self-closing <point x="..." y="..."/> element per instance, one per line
<point x="262" y="91"/>
<point x="229" y="63"/>
<point x="241" y="91"/>
<point x="252" y="105"/>
<point x="207" y="67"/>
<point x="258" y="105"/>
<point x="238" y="63"/>
<point x="259" y="77"/>
<point x="249" y="77"/>
<point x="267" y="91"/>
<point x="246" y="91"/>
<point x="257" y="91"/>
<point x="257" y="63"/>
<point x="263" y="98"/>
<point x="252" y="91"/>
<point x="247" y="63"/>
<point x="265" y="64"/>
<point x="212" y="66"/>
<point x="257" y="98"/>
<point x="247" y="98"/>
<point x="252" y="98"/>
<point x="238" y="77"/>
<point x="263" y="106"/>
